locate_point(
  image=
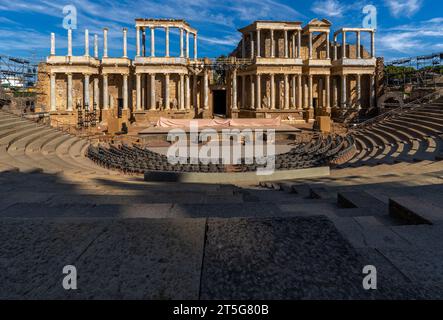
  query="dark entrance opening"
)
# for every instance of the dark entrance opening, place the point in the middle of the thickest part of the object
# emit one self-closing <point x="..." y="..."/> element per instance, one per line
<point x="219" y="102"/>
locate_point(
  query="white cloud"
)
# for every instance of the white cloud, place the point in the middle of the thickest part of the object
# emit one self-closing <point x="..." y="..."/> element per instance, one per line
<point x="406" y="8"/>
<point x="328" y="8"/>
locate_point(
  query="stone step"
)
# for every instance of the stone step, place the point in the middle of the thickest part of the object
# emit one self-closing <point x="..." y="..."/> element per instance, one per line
<point x="361" y="199"/>
<point x="414" y="210"/>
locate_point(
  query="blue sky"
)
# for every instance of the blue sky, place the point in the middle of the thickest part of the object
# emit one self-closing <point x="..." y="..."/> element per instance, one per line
<point x="404" y="27"/>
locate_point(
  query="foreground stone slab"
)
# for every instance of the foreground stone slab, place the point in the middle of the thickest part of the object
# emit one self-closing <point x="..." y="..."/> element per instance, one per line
<point x="280" y="258"/>
<point x="357" y="199"/>
<point x="413" y="210"/>
<point x="115" y="259"/>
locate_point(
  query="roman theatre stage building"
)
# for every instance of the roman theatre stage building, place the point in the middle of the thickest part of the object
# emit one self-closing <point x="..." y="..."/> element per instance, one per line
<point x="279" y="69"/>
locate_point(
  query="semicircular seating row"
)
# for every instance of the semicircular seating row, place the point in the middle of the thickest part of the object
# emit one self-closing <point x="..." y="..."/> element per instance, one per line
<point x="414" y="135"/>
<point x="136" y="160"/>
<point x="27" y="146"/>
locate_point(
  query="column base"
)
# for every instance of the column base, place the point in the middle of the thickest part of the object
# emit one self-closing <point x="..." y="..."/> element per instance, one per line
<point x="309" y="116"/>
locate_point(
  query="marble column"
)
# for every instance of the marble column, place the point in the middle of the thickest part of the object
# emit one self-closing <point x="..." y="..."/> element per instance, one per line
<point x="343" y="45"/>
<point x="334" y="93"/>
<point x="310" y="91"/>
<point x="137" y="41"/>
<point x="299" y="44"/>
<point x="86" y="43"/>
<point x="328" y="49"/>
<point x="335" y="47"/>
<point x="125" y="42"/>
<point x="272" y="44"/>
<point x="96" y="92"/>
<point x="372" y="91"/>
<point x="373" y="44"/>
<point x="181" y="43"/>
<point x="294" y="91"/>
<point x="286" y="44"/>
<point x="258" y="104"/>
<point x="53" y="93"/>
<point x="252" y="92"/>
<point x="206" y="90"/>
<point x="105" y="42"/>
<point x="258" y="44"/>
<point x="167" y="104"/>
<point x="125" y="92"/>
<point x="86" y="91"/>
<point x="328" y="93"/>
<point x="96" y="46"/>
<point x="251" y="36"/>
<point x="167" y="41"/>
<point x="310" y="45"/>
<point x="143" y="42"/>
<point x="52" y="44"/>
<point x="182" y="92"/>
<point x="138" y="91"/>
<point x="194" y="92"/>
<point x="286" y="91"/>
<point x="294" y="47"/>
<point x="69" y="92"/>
<point x="195" y="46"/>
<point x="152" y="92"/>
<point x="187" y="44"/>
<point x="234" y="89"/>
<point x="300" y="92"/>
<point x="152" y="42"/>
<point x="272" y="85"/>
<point x="188" y="93"/>
<point x="69" y="42"/>
<point x="344" y="98"/>
<point x="320" y="97"/>
<point x="358" y="45"/>
<point x="358" y="85"/>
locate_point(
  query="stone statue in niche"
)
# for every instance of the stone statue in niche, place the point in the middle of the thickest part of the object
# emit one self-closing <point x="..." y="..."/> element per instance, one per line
<point x="265" y="102"/>
<point x="174" y="103"/>
<point x="160" y="103"/>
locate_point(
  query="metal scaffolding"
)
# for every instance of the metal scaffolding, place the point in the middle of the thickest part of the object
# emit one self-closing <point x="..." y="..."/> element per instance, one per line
<point x="17" y="72"/>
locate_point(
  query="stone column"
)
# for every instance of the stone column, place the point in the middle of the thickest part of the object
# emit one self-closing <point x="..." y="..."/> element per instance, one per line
<point x="310" y="45"/>
<point x="358" y="45"/>
<point x="294" y="91"/>
<point x="69" y="92"/>
<point x="300" y="92"/>
<point x="152" y="42"/>
<point x="343" y="92"/>
<point x="52" y="44"/>
<point x="187" y="44"/>
<point x="328" y="93"/>
<point x="252" y="92"/>
<point x="320" y="100"/>
<point x="167" y="106"/>
<point x="152" y="92"/>
<point x="105" y="42"/>
<point x="137" y="41"/>
<point x="243" y="47"/>
<point x="258" y="97"/>
<point x="305" y="92"/>
<point x="188" y="93"/>
<point x="138" y="81"/>
<point x="195" y="46"/>
<point x="53" y="93"/>
<point x="96" y="92"/>
<point x="328" y="54"/>
<point x="358" y="91"/>
<point x="234" y="89"/>
<point x="272" y="85"/>
<point x="143" y="42"/>
<point x="272" y="44"/>
<point x="294" y="55"/>
<point x="86" y="43"/>
<point x="299" y="44"/>
<point x="181" y="43"/>
<point x="334" y="93"/>
<point x="251" y="35"/>
<point x="310" y="91"/>
<point x="182" y="91"/>
<point x="69" y="42"/>
<point x="243" y="92"/>
<point x="167" y="41"/>
<point x="373" y="44"/>
<point x="125" y="92"/>
<point x="258" y="44"/>
<point x="206" y="90"/>
<point x="286" y="44"/>
<point x="335" y="47"/>
<point x="286" y="91"/>
<point x="194" y="92"/>
<point x="125" y="42"/>
<point x="343" y="44"/>
<point x="96" y="46"/>
<point x="372" y="91"/>
<point x="86" y="91"/>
